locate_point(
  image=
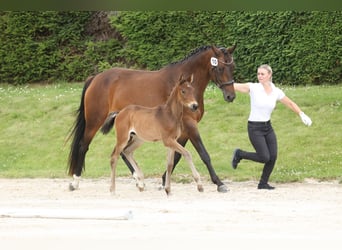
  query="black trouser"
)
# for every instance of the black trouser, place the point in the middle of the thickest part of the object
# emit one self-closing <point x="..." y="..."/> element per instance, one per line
<point x="264" y="141"/>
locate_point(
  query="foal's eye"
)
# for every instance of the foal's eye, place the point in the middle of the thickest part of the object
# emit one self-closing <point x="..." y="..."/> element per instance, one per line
<point x="183" y="91"/>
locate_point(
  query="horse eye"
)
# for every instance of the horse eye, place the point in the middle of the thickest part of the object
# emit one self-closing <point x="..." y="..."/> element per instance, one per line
<point x="183" y="91"/>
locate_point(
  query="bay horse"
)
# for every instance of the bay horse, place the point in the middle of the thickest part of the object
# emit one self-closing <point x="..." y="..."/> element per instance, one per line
<point x="136" y="124"/>
<point x="116" y="88"/>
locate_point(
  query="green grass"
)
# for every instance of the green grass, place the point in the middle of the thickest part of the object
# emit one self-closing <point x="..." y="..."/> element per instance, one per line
<point x="36" y="120"/>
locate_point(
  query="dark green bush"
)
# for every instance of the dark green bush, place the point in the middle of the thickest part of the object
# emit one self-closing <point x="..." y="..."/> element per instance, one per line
<point x="46" y="46"/>
<point x="302" y="47"/>
<point x="42" y="46"/>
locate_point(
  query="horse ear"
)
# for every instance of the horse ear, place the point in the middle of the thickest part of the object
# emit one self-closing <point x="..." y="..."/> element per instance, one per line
<point x="181" y="79"/>
<point x="231" y="49"/>
<point x="215" y="50"/>
<point x="191" y="78"/>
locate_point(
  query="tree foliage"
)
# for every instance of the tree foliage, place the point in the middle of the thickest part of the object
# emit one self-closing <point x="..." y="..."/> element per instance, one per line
<point x="301" y="47"/>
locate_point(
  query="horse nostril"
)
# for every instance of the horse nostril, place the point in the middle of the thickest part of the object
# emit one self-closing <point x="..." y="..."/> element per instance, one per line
<point x="230" y="98"/>
<point x="194" y="107"/>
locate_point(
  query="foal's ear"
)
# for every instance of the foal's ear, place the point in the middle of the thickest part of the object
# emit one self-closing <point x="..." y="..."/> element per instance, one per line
<point x="181" y="80"/>
<point x="191" y="78"/>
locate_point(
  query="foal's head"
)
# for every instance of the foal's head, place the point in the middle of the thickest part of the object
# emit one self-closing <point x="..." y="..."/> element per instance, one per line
<point x="185" y="93"/>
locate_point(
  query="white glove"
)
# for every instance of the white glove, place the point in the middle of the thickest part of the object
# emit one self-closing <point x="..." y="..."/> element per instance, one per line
<point x="305" y="119"/>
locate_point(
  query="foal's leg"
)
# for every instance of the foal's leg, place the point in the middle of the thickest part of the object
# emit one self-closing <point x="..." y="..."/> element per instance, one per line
<point x="128" y="153"/>
<point x="192" y="133"/>
<point x="113" y="163"/>
<point x="177" y="157"/>
<point x="187" y="156"/>
<point x="121" y="142"/>
<point x="124" y="158"/>
<point x="196" y="141"/>
<point x="169" y="167"/>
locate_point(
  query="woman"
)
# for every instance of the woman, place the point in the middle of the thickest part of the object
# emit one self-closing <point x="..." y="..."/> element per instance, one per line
<point x="263" y="98"/>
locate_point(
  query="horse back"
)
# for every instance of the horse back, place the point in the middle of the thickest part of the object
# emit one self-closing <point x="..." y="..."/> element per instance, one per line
<point x="121" y="87"/>
<point x="149" y="124"/>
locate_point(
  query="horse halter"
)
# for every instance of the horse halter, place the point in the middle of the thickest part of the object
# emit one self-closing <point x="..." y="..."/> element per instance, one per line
<point x="214" y="63"/>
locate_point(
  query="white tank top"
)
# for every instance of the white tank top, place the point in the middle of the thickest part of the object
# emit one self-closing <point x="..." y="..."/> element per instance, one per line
<point x="262" y="104"/>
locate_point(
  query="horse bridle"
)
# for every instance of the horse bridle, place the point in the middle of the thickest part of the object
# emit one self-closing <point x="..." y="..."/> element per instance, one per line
<point x="218" y="84"/>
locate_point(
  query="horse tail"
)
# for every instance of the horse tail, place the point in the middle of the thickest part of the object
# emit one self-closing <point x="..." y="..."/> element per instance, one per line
<point x="109" y="122"/>
<point x="78" y="131"/>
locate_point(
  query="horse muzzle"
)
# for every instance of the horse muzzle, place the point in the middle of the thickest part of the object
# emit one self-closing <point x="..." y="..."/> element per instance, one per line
<point x="229" y="97"/>
<point x="193" y="106"/>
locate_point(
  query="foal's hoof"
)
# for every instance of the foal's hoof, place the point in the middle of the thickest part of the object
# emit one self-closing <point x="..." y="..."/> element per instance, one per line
<point x="200" y="188"/>
<point x="140" y="186"/>
<point x="71" y="187"/>
<point x="222" y="189"/>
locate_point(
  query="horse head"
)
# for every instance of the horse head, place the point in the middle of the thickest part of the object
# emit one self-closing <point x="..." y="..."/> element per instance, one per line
<point x="186" y="92"/>
<point x="222" y="71"/>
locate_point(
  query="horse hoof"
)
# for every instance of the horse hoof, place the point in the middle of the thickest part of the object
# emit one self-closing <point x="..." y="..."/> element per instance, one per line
<point x="140" y="186"/>
<point x="71" y="187"/>
<point x="222" y="189"/>
<point x="161" y="188"/>
<point x="112" y="190"/>
<point x="200" y="188"/>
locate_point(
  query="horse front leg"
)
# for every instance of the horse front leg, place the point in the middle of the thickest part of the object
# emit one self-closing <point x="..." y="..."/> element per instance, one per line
<point x="187" y="156"/>
<point x="177" y="157"/>
<point x="196" y="141"/>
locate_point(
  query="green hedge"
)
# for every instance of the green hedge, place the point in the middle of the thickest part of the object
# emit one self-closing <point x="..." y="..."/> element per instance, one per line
<point x="42" y="46"/>
<point x="47" y="46"/>
<point x="302" y="47"/>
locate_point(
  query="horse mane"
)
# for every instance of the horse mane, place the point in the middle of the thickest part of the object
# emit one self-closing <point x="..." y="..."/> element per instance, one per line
<point x="193" y="53"/>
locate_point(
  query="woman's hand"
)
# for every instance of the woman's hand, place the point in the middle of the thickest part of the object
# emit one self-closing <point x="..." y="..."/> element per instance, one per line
<point x="305" y="119"/>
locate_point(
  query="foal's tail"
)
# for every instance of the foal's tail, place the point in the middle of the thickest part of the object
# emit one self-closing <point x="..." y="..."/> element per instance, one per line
<point x="109" y="122"/>
<point x="78" y="132"/>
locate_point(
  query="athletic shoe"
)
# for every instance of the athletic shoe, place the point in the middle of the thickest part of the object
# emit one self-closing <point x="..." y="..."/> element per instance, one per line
<point x="236" y="158"/>
<point x="265" y="186"/>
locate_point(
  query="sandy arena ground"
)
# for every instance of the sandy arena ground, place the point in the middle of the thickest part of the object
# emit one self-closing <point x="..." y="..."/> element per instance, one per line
<point x="43" y="214"/>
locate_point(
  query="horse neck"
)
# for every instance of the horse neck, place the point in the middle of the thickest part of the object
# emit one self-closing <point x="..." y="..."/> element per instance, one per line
<point x="201" y="71"/>
<point x="174" y="106"/>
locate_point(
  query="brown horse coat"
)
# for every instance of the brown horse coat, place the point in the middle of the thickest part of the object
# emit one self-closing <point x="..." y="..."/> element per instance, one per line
<point x="136" y="124"/>
<point x="114" y="89"/>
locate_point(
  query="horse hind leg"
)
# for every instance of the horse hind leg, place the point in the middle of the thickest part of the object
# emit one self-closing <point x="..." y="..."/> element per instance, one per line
<point x="113" y="163"/>
<point x="168" y="172"/>
<point x="80" y="163"/>
<point x="138" y="175"/>
<point x="74" y="185"/>
<point x="119" y="147"/>
<point x="124" y="158"/>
